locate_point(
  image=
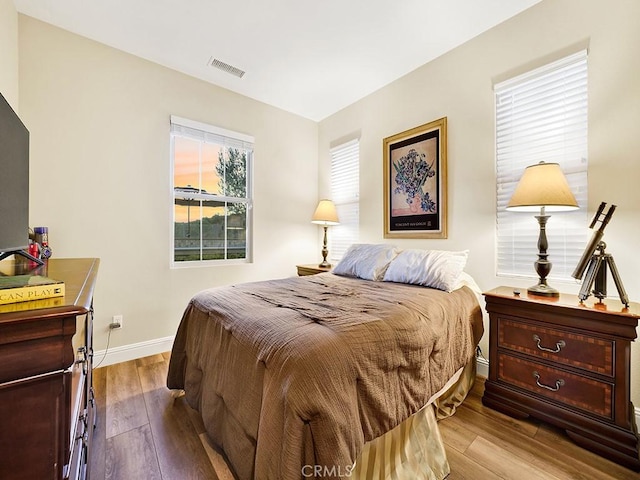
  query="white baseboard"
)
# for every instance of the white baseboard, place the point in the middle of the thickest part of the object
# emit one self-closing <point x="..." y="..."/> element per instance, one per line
<point x="482" y="367"/>
<point x="125" y="353"/>
<point x="482" y="370"/>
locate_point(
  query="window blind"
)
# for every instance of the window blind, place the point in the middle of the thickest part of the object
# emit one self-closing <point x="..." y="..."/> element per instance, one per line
<point x="210" y="134"/>
<point x="345" y="193"/>
<point x="542" y="116"/>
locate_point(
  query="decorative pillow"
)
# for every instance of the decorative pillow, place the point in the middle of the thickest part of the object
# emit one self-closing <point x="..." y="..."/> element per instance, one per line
<point x="367" y="261"/>
<point x="432" y="268"/>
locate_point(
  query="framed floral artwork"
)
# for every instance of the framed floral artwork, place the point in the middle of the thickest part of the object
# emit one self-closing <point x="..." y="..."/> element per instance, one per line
<point x="415" y="182"/>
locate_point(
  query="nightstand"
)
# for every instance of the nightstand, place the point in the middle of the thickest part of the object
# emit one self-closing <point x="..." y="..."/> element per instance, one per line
<point x="565" y="363"/>
<point x="311" y="269"/>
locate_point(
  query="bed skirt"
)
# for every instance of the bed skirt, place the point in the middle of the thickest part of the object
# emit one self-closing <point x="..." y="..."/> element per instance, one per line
<point x="414" y="450"/>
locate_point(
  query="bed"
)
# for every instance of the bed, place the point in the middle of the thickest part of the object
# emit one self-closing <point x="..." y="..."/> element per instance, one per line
<point x="309" y="377"/>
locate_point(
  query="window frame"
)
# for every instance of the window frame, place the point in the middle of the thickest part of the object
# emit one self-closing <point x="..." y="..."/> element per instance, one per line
<point x="234" y="138"/>
<point x="567" y="231"/>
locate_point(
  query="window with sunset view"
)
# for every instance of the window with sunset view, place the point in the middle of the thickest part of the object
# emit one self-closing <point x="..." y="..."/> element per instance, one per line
<point x="211" y="193"/>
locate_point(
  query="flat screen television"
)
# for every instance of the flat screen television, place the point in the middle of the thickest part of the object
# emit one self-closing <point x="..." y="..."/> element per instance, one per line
<point x="14" y="182"/>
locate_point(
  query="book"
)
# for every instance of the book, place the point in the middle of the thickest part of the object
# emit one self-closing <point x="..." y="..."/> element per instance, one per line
<point x="33" y="305"/>
<point x="24" y="288"/>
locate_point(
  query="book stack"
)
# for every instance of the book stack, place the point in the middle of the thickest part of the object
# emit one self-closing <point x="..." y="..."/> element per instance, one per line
<point x="25" y="288"/>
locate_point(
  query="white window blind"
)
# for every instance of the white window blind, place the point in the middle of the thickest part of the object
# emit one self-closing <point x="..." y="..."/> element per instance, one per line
<point x="542" y="116"/>
<point x="345" y="193"/>
<point x="210" y="134"/>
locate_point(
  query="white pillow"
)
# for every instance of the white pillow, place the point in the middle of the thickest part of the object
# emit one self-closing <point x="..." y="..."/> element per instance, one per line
<point x="466" y="280"/>
<point x="432" y="268"/>
<point x="367" y="261"/>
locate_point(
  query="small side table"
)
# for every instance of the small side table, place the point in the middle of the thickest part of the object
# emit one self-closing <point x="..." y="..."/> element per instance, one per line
<point x="567" y="363"/>
<point x="311" y="269"/>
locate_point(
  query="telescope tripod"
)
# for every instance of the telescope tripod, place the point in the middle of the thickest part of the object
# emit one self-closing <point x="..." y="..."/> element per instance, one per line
<point x="597" y="273"/>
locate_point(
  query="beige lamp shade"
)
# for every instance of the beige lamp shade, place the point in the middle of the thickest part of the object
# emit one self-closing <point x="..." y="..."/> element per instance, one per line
<point x="325" y="213"/>
<point x="542" y="185"/>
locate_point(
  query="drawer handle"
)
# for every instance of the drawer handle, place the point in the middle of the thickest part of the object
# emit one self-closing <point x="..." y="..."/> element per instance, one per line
<point x="559" y="346"/>
<point x="81" y="355"/>
<point x="559" y="383"/>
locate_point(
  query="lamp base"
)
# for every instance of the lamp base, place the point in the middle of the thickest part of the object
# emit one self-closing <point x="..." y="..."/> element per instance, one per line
<point x="325" y="251"/>
<point x="542" y="265"/>
<point x="544" y="290"/>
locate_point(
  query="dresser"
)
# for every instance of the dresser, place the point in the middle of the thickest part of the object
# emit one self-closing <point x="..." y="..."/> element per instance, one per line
<point x="47" y="409"/>
<point x="566" y="363"/>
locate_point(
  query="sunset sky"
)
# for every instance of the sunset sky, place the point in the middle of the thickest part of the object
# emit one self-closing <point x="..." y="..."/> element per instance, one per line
<point x="187" y="157"/>
<point x="186" y="172"/>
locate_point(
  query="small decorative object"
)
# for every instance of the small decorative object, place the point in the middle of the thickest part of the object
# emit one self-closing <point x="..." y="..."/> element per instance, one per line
<point x="542" y="187"/>
<point x="41" y="235"/>
<point x="415" y="182"/>
<point x="325" y="215"/>
<point x="597" y="261"/>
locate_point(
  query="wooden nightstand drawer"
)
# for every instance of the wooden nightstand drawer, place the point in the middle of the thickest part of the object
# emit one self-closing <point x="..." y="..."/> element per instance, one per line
<point x="579" y="350"/>
<point x="573" y="390"/>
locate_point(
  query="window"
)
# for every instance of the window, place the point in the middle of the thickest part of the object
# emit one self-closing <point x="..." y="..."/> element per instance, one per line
<point x="211" y="193"/>
<point x="542" y="116"/>
<point x="345" y="193"/>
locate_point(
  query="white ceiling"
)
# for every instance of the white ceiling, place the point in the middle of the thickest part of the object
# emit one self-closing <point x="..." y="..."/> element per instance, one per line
<point x="308" y="57"/>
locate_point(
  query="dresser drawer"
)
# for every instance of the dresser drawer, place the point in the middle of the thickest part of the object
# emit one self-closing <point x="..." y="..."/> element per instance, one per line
<point x="574" y="390"/>
<point x="579" y="350"/>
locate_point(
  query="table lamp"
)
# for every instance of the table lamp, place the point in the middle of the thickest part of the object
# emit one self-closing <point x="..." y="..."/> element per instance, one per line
<point x="543" y="187"/>
<point x="325" y="215"/>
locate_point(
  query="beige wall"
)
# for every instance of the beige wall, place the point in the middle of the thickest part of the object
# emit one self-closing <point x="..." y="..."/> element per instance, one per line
<point x="458" y="85"/>
<point x="9" y="52"/>
<point x="99" y="123"/>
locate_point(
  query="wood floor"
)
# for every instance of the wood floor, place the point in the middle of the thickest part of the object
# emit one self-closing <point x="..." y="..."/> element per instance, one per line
<point x="144" y="432"/>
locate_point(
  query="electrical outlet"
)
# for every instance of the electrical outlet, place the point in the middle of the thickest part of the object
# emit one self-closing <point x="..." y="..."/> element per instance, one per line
<point x="116" y="322"/>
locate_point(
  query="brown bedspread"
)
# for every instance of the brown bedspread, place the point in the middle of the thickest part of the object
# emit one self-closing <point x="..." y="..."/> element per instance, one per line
<point x="305" y="370"/>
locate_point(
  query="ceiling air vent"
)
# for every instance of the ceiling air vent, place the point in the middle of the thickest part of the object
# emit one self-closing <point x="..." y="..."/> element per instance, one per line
<point x="225" y="67"/>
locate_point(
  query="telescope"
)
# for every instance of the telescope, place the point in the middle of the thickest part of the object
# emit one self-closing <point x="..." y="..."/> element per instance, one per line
<point x="596" y="262"/>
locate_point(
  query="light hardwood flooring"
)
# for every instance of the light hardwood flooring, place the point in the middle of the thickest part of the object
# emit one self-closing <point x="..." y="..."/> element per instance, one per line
<point x="145" y="432"/>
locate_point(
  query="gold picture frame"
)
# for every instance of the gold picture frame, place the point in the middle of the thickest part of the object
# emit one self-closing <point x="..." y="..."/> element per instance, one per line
<point x="415" y="182"/>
